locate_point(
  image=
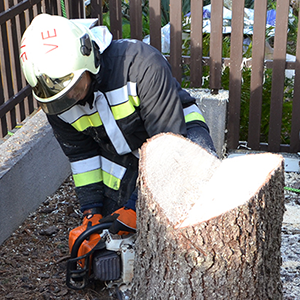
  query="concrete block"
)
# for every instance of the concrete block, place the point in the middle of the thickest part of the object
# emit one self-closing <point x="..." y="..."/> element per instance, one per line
<point x="291" y="160"/>
<point x="214" y="108"/>
<point x="32" y="167"/>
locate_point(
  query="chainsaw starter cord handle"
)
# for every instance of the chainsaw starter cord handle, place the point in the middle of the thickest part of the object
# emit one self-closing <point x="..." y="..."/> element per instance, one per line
<point x="83" y="236"/>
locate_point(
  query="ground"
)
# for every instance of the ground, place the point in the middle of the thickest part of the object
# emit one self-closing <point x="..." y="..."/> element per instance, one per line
<point x="33" y="260"/>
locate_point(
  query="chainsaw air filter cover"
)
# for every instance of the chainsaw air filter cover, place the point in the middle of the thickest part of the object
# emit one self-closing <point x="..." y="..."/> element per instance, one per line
<point x="107" y="265"/>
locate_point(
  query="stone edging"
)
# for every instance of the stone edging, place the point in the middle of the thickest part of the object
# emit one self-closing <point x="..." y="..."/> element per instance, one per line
<point x="32" y="167"/>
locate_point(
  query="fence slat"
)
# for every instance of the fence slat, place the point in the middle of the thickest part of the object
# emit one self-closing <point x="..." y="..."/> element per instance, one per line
<point x="15" y="94"/>
<point x="216" y="39"/>
<point x="96" y="10"/>
<point x="3" y="122"/>
<point x="19" y="32"/>
<point x="278" y="76"/>
<point x="6" y="15"/>
<point x="8" y="71"/>
<point x="155" y="23"/>
<point x="136" y="19"/>
<point x="295" y="130"/>
<point x="14" y="60"/>
<point x="235" y="75"/>
<point x="176" y="38"/>
<point x="76" y="8"/>
<point x="13" y="101"/>
<point x="258" y="53"/>
<point x="196" y="43"/>
<point x="115" y="14"/>
<point x="51" y="8"/>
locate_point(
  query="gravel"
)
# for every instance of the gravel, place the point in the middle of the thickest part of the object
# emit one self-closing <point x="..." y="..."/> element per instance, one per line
<point x="33" y="260"/>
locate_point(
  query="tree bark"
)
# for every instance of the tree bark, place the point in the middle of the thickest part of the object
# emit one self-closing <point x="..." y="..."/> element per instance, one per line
<point x="207" y="229"/>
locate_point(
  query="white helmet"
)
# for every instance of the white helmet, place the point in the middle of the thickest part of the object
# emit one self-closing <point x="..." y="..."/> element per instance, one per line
<point x="54" y="54"/>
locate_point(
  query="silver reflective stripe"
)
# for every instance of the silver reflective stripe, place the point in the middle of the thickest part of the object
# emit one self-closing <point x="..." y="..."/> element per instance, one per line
<point x="120" y="95"/>
<point x="112" y="129"/>
<point x="117" y="96"/>
<point x="76" y="112"/>
<point x="191" y="109"/>
<point x="131" y="88"/>
<point x="112" y="168"/>
<point x="98" y="162"/>
<point x="86" y="165"/>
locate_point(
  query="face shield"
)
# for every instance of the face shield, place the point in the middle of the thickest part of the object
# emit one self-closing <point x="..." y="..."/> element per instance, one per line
<point x="57" y="95"/>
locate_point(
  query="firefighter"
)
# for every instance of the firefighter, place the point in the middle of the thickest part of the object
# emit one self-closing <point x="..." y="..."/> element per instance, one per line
<point x="103" y="99"/>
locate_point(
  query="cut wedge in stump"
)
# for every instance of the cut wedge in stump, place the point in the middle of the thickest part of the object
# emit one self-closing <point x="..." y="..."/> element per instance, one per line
<point x="207" y="229"/>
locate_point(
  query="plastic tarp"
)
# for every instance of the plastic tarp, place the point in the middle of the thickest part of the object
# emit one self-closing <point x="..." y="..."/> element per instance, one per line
<point x="227" y="16"/>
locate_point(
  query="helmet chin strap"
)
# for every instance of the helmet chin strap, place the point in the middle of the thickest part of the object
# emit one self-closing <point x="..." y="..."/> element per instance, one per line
<point x="96" y="54"/>
<point x="89" y="98"/>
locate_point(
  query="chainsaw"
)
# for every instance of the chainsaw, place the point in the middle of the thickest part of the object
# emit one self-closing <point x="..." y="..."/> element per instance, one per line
<point x="110" y="261"/>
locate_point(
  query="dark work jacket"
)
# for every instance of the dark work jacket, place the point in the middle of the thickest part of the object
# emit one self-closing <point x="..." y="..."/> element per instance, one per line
<point x="136" y="83"/>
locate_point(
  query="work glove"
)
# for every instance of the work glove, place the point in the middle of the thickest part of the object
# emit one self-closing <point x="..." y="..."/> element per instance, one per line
<point x="123" y="219"/>
<point x="91" y="217"/>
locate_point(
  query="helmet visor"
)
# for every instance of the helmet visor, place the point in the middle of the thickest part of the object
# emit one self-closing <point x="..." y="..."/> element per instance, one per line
<point x="47" y="87"/>
<point x="49" y="93"/>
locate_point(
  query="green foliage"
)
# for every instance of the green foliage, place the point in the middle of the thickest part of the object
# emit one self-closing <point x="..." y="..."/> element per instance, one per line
<point x="246" y="72"/>
<point x="292" y="36"/>
<point x="165" y="10"/>
<point x="126" y="18"/>
<point x="246" y="82"/>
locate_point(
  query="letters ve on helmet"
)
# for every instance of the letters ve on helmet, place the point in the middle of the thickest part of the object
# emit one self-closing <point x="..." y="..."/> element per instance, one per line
<point x="54" y="54"/>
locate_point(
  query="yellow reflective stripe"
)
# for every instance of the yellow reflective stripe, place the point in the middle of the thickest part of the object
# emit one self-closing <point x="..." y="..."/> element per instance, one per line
<point x="194" y="116"/>
<point x="86" y="178"/>
<point x="111" y="181"/>
<point x="95" y="176"/>
<point x="87" y="121"/>
<point x="135" y="100"/>
<point x="122" y="110"/>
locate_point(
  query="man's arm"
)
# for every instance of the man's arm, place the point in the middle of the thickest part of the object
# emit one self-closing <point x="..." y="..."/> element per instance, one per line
<point x="161" y="108"/>
<point x="83" y="154"/>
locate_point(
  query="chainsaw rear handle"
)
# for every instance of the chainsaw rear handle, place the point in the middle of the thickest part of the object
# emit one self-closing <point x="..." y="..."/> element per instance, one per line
<point x="83" y="236"/>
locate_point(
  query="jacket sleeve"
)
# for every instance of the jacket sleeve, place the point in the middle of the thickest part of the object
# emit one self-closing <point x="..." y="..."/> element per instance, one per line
<point x="80" y="149"/>
<point x="161" y="108"/>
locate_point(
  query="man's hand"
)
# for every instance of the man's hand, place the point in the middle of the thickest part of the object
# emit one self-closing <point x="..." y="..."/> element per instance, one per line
<point x="124" y="221"/>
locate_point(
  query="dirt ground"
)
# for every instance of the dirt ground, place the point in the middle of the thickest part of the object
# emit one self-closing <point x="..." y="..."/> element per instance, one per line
<point x="33" y="260"/>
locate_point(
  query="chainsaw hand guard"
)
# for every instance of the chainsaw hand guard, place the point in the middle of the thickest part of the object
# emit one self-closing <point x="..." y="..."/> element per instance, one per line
<point x="79" y="268"/>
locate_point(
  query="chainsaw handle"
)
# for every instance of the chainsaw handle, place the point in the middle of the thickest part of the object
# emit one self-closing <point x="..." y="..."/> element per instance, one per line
<point x="83" y="236"/>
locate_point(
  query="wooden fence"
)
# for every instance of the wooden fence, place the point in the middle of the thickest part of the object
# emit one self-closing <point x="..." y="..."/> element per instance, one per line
<point x="16" y="101"/>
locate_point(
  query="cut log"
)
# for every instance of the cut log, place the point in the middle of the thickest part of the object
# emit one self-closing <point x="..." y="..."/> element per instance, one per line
<point x="207" y="229"/>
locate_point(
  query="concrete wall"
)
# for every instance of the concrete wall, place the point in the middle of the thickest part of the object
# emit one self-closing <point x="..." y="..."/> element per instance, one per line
<point x="214" y="109"/>
<point x="32" y="167"/>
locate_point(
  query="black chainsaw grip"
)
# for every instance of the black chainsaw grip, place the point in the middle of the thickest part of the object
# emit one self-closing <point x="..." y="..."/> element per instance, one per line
<point x="94" y="229"/>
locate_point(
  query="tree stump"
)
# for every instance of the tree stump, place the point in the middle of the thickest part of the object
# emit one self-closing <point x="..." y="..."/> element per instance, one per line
<point x="207" y="229"/>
